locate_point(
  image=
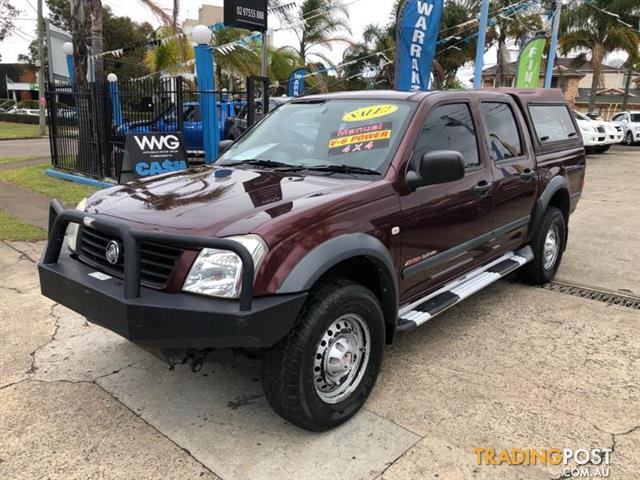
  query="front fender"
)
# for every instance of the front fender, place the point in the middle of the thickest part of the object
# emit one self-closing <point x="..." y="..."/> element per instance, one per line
<point x="344" y="247"/>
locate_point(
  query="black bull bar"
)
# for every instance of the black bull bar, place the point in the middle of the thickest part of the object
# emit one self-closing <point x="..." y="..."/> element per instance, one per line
<point x="60" y="218"/>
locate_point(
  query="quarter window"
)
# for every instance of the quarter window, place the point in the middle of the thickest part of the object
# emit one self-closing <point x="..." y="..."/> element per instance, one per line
<point x="552" y="123"/>
<point x="450" y="127"/>
<point x="504" y="139"/>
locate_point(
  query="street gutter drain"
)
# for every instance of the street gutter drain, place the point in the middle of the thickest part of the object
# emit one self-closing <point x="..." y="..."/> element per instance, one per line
<point x="605" y="296"/>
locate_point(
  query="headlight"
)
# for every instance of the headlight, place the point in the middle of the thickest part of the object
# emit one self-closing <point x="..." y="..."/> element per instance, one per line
<point x="218" y="273"/>
<point x="72" y="228"/>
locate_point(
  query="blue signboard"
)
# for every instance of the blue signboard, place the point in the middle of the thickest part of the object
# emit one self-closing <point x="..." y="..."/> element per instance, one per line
<point x="296" y="82"/>
<point x="416" y="38"/>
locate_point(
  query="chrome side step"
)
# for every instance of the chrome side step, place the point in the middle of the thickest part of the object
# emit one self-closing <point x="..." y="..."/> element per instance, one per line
<point x="415" y="314"/>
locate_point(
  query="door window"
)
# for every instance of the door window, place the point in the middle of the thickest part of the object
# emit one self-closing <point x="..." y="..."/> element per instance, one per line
<point x="504" y="138"/>
<point x="450" y="127"/>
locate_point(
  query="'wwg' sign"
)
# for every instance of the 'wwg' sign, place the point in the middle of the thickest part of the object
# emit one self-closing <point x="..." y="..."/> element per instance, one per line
<point x="155" y="153"/>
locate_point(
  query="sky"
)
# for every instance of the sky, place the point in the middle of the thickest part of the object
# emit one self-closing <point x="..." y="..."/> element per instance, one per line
<point x="361" y="14"/>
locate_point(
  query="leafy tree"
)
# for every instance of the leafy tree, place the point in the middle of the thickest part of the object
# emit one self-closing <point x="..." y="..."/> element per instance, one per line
<point x="589" y="29"/>
<point x="169" y="56"/>
<point x="318" y="23"/>
<point x="7" y="15"/>
<point x="118" y="32"/>
<point x="509" y="26"/>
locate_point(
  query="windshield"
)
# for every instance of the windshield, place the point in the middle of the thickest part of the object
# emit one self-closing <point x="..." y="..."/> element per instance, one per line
<point x="362" y="134"/>
<point x="581" y="116"/>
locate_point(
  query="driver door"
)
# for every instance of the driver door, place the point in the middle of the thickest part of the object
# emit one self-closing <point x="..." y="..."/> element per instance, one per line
<point x="446" y="228"/>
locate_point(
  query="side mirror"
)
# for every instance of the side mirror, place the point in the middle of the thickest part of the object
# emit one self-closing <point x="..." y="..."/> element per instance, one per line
<point x="223" y="146"/>
<point x="440" y="166"/>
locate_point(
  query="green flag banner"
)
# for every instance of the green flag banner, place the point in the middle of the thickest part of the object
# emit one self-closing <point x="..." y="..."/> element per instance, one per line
<point x="529" y="63"/>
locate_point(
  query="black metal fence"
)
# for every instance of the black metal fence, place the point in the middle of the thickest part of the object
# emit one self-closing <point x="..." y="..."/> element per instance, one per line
<point x="88" y="129"/>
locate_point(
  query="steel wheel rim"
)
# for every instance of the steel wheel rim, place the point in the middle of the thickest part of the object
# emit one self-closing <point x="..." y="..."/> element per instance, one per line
<point x="341" y="358"/>
<point x="551" y="247"/>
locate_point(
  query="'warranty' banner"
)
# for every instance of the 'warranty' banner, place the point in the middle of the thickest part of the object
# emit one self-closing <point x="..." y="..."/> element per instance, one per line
<point x="416" y="38"/>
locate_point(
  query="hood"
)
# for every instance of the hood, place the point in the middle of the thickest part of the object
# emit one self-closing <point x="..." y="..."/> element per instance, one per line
<point x="218" y="201"/>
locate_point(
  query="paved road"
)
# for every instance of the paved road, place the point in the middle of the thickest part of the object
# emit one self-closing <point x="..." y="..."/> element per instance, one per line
<point x="34" y="147"/>
<point x="512" y="367"/>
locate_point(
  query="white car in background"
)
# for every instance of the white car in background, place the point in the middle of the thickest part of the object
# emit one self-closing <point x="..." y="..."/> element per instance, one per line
<point x="630" y="124"/>
<point x="603" y="134"/>
<point x="591" y="138"/>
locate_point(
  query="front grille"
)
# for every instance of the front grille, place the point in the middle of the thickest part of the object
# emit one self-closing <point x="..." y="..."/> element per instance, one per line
<point x="156" y="261"/>
<point x="601" y="129"/>
<point x="618" y="128"/>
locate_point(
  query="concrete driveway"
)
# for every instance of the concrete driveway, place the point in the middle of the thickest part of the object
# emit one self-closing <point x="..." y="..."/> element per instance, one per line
<point x="512" y="367"/>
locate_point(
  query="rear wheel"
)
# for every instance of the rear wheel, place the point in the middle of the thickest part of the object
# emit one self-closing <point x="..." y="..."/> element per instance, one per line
<point x="629" y="138"/>
<point x="321" y="374"/>
<point x="548" y="246"/>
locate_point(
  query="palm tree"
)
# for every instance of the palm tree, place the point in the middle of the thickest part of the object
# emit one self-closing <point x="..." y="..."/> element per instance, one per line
<point x="169" y="55"/>
<point x="509" y="26"/>
<point x="457" y="51"/>
<point x="319" y="23"/>
<point x="589" y="29"/>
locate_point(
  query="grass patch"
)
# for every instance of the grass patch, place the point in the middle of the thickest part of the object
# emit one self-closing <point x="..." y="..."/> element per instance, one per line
<point x="16" y="158"/>
<point x="12" y="228"/>
<point x="18" y="130"/>
<point x="33" y="178"/>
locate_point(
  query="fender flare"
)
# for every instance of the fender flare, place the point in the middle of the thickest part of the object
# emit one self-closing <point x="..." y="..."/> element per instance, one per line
<point x="557" y="183"/>
<point x="336" y="250"/>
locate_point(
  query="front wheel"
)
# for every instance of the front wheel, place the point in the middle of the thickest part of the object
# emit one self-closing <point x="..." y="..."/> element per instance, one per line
<point x="321" y="374"/>
<point x="548" y="246"/>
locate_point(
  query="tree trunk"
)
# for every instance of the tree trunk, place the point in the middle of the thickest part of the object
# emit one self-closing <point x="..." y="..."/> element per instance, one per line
<point x="79" y="43"/>
<point x="596" y="63"/>
<point x="627" y="87"/>
<point x="96" y="39"/>
<point x="501" y="66"/>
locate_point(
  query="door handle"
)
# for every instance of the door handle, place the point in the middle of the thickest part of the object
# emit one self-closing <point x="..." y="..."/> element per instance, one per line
<point x="527" y="175"/>
<point x="482" y="189"/>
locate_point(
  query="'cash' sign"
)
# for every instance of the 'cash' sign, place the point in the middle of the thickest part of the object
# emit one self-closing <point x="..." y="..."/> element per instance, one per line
<point x="155" y="153"/>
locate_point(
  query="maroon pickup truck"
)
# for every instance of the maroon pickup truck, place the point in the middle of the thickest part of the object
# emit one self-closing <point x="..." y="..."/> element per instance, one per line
<point x="333" y="224"/>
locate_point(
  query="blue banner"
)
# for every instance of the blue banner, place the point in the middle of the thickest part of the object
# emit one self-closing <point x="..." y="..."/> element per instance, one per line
<point x="296" y="82"/>
<point x="416" y="38"/>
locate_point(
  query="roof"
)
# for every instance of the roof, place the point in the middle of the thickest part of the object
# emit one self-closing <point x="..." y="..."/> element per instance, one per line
<point x="608" y="96"/>
<point x="366" y="95"/>
<point x="568" y="66"/>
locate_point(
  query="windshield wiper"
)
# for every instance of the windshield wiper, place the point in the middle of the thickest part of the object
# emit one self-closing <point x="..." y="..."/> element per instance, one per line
<point x="258" y="163"/>
<point x="342" y="169"/>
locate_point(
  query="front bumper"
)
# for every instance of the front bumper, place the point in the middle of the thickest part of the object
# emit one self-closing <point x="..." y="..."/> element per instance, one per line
<point x="157" y="319"/>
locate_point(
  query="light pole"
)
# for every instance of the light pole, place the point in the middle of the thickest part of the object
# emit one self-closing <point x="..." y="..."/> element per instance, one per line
<point x="553" y="46"/>
<point x="482" y="38"/>
<point x="41" y="99"/>
<point x="201" y="35"/>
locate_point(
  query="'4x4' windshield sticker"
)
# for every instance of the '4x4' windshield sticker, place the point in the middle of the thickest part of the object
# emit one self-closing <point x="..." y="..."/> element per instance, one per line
<point x="360" y="139"/>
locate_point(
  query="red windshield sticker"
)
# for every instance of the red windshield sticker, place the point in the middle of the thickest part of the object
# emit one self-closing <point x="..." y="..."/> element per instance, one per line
<point x="360" y="139"/>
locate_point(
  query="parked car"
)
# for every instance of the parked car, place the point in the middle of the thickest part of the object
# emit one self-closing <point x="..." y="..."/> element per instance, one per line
<point x="601" y="134"/>
<point x="630" y="124"/>
<point x="192" y="123"/>
<point x="237" y="126"/>
<point x="337" y="222"/>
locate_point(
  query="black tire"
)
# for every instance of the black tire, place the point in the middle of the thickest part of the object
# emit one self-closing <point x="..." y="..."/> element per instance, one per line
<point x="536" y="272"/>
<point x="628" y="140"/>
<point x="288" y="374"/>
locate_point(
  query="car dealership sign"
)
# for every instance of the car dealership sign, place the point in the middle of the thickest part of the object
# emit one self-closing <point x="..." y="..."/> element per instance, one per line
<point x="248" y="14"/>
<point x="155" y="153"/>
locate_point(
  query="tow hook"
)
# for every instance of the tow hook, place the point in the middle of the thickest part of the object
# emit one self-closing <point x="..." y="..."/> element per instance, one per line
<point x="195" y="360"/>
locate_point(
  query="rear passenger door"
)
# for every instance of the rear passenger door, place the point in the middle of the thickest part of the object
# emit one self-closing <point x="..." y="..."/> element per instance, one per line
<point x="514" y="171"/>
